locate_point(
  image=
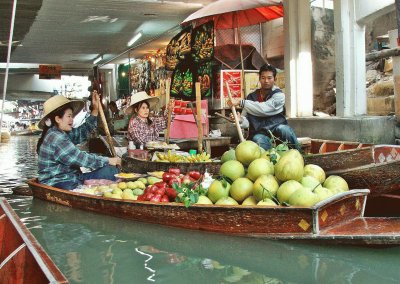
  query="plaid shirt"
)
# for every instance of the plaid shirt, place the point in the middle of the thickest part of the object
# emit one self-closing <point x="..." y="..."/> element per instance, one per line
<point x="59" y="158"/>
<point x="140" y="132"/>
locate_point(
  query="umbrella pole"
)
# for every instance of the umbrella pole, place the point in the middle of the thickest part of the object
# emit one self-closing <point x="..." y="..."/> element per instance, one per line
<point x="199" y="124"/>
<point x="243" y="82"/>
<point x="8" y="63"/>
<point x="167" y="100"/>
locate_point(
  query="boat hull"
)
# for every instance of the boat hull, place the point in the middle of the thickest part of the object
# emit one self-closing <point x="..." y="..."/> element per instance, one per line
<point x="294" y="223"/>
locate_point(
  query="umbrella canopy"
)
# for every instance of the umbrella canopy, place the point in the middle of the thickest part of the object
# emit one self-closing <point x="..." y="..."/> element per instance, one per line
<point x="228" y="14"/>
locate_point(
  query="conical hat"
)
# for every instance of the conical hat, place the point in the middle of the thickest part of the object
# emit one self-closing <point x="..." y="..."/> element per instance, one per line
<point x="55" y="103"/>
<point x="139" y="97"/>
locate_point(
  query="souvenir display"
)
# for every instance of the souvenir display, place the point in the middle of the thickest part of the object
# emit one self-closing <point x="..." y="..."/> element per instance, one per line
<point x="204" y="76"/>
<point x="182" y="81"/>
<point x="203" y="42"/>
<point x="177" y="48"/>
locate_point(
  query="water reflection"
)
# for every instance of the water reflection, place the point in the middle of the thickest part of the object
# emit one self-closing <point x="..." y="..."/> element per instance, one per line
<point x="94" y="248"/>
<point x="102" y="249"/>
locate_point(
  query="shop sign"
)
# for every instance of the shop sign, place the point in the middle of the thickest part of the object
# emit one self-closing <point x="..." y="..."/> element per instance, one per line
<point x="49" y="71"/>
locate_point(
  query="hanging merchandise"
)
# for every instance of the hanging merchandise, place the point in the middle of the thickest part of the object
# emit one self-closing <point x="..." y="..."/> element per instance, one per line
<point x="204" y="77"/>
<point x="203" y="42"/>
<point x="178" y="48"/>
<point x="182" y="81"/>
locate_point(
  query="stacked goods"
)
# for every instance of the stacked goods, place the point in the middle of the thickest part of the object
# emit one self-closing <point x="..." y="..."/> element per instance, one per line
<point x="177" y="158"/>
<point x="248" y="176"/>
<point x="275" y="177"/>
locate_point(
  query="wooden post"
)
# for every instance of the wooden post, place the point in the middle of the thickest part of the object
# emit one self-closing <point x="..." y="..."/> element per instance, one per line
<point x="106" y="130"/>
<point x="167" y="99"/>
<point x="238" y="128"/>
<point x="199" y="124"/>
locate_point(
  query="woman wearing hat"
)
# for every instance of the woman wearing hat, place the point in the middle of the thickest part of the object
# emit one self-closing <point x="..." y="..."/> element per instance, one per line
<point x="142" y="128"/>
<point x="59" y="159"/>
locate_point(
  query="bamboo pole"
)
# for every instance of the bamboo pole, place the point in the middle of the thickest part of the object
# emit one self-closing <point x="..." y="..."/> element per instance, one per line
<point x="199" y="124"/>
<point x="107" y="131"/>
<point x="233" y="109"/>
<point x="167" y="99"/>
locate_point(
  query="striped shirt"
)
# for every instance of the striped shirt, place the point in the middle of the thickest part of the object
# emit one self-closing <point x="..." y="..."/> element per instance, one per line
<point x="140" y="132"/>
<point x="59" y="159"/>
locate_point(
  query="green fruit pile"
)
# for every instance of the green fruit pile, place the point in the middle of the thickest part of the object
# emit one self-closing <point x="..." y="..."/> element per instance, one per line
<point x="252" y="178"/>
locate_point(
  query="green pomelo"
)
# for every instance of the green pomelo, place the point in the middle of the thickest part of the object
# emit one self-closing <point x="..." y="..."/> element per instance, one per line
<point x="259" y="167"/>
<point x="336" y="183"/>
<point x="247" y="151"/>
<point x="290" y="166"/>
<point x="323" y="193"/>
<point x="204" y="200"/>
<point x="267" y="202"/>
<point x="310" y="182"/>
<point x="315" y="171"/>
<point x="217" y="190"/>
<point x="232" y="169"/>
<point x="265" y="186"/>
<point x="241" y="188"/>
<point x="226" y="201"/>
<point x="251" y="200"/>
<point x="303" y="197"/>
<point x="228" y="155"/>
<point x="286" y="189"/>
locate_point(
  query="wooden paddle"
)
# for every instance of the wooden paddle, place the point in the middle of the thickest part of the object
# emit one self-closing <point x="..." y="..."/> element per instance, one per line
<point x="167" y="99"/>
<point x="233" y="109"/>
<point x="107" y="131"/>
<point x="199" y="125"/>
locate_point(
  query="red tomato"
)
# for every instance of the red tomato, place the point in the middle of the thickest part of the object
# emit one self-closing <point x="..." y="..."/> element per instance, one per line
<point x="174" y="171"/>
<point x="161" y="184"/>
<point x="161" y="190"/>
<point x="171" y="193"/>
<point x="164" y="198"/>
<point x="174" y="180"/>
<point x="186" y="179"/>
<point x="152" y="188"/>
<point x="195" y="174"/>
<point x="140" y="197"/>
<point x="156" y="198"/>
<point x="148" y="196"/>
<point x="168" y="176"/>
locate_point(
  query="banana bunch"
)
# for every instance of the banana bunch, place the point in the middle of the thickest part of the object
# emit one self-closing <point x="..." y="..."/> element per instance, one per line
<point x="198" y="158"/>
<point x="176" y="158"/>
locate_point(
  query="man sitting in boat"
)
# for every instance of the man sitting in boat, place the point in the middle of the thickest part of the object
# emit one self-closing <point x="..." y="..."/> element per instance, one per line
<point x="142" y="128"/>
<point x="264" y="112"/>
<point x="59" y="159"/>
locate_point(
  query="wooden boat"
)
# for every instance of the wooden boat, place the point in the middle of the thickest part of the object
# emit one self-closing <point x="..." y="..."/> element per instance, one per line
<point x="22" y="259"/>
<point x="374" y="167"/>
<point x="339" y="219"/>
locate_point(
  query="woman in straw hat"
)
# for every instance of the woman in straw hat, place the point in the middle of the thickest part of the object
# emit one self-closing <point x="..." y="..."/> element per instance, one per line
<point x="59" y="159"/>
<point x="142" y="128"/>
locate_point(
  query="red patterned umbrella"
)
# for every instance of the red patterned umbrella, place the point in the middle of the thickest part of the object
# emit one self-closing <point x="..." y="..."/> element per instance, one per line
<point x="229" y="14"/>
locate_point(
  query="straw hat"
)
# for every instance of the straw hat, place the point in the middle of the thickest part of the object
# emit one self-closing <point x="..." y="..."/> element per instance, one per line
<point x="55" y="103"/>
<point x="139" y="97"/>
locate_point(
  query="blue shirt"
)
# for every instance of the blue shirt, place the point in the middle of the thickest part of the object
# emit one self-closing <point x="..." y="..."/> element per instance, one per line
<point x="60" y="160"/>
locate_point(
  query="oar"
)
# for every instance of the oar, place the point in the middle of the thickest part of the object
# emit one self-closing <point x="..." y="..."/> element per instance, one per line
<point x="199" y="125"/>
<point x="167" y="99"/>
<point x="233" y="109"/>
<point x="107" y="131"/>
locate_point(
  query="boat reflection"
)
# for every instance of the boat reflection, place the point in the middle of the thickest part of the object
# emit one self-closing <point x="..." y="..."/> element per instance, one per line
<point x="108" y="249"/>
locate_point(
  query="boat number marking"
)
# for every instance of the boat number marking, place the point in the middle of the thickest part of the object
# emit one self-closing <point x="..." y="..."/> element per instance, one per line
<point x="342" y="210"/>
<point x="304" y="225"/>
<point x="57" y="200"/>
<point x="324" y="216"/>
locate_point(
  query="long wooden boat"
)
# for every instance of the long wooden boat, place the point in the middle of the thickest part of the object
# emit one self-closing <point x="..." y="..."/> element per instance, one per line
<point x="22" y="259"/>
<point x="339" y="219"/>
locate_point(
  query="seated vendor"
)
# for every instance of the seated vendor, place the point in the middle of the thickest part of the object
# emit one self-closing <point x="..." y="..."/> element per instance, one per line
<point x="59" y="159"/>
<point x="142" y="128"/>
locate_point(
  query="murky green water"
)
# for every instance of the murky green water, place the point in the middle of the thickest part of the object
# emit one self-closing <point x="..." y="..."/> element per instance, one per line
<point x="93" y="248"/>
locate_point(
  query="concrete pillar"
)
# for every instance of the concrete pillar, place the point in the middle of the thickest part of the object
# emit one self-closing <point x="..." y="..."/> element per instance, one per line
<point x="298" y="63"/>
<point x="350" y="60"/>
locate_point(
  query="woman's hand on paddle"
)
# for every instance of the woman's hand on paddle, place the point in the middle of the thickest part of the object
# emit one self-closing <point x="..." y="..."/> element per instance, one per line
<point x="115" y="161"/>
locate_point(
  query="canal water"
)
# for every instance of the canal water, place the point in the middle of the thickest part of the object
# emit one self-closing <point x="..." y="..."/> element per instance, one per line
<point x="94" y="248"/>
